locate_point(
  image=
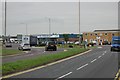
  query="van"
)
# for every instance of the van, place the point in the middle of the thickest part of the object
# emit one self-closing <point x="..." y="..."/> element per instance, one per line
<point x="115" y="45"/>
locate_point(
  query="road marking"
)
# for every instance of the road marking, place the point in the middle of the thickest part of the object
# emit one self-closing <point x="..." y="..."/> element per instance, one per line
<point x="82" y="67"/>
<point x="93" y="60"/>
<point x="100" y="47"/>
<point x="64" y="75"/>
<point x="103" y="54"/>
<point x="117" y="75"/>
<point x="33" y="69"/>
<point x="105" y="51"/>
<point x="99" y="56"/>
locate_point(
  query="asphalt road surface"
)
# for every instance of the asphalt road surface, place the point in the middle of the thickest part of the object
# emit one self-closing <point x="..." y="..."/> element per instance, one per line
<point x="30" y="54"/>
<point x="98" y="63"/>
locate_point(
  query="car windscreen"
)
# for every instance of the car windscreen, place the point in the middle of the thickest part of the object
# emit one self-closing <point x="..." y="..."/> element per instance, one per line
<point x="51" y="43"/>
<point x="26" y="44"/>
<point x="116" y="42"/>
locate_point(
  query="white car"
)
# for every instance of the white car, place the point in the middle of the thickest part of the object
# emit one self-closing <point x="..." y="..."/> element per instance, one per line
<point x="77" y="42"/>
<point x="24" y="46"/>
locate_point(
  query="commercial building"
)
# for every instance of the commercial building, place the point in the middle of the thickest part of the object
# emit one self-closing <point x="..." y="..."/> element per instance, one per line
<point x="99" y="36"/>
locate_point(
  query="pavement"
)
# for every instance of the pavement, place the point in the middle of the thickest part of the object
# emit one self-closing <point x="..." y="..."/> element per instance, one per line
<point x="98" y="63"/>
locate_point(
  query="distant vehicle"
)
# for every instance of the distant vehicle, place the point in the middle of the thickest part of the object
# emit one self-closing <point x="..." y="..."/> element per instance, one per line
<point x="115" y="45"/>
<point x="77" y="42"/>
<point x="105" y="43"/>
<point x="8" y="45"/>
<point x="51" y="45"/>
<point x="24" y="46"/>
<point x="32" y="40"/>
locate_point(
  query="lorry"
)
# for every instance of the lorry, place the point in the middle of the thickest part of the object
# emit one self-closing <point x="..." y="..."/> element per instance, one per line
<point x="31" y="40"/>
<point x="115" y="45"/>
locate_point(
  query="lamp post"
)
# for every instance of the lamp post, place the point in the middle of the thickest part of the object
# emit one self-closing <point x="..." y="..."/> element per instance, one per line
<point x="5" y="17"/>
<point x="26" y="28"/>
<point x="79" y="22"/>
<point x="49" y="20"/>
<point x="49" y="27"/>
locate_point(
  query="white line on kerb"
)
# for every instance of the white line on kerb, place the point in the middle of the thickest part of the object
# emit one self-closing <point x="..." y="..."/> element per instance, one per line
<point x="99" y="57"/>
<point x="93" y="60"/>
<point x="82" y="66"/>
<point x="63" y="75"/>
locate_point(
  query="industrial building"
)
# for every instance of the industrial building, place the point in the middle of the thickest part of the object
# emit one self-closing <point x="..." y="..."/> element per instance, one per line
<point x="100" y="36"/>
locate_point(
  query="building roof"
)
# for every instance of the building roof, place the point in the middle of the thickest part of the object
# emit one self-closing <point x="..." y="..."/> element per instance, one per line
<point x="107" y="30"/>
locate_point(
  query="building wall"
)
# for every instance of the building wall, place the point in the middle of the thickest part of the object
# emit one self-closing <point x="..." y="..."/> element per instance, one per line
<point x="99" y="36"/>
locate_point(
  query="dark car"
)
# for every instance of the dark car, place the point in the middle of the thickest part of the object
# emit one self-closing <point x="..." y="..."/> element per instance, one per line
<point x="51" y="45"/>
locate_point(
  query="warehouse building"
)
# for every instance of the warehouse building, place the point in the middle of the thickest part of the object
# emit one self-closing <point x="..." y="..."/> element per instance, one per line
<point x="100" y="36"/>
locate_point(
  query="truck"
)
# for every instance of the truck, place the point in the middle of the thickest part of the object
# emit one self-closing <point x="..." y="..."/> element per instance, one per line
<point x="32" y="40"/>
<point x="115" y="45"/>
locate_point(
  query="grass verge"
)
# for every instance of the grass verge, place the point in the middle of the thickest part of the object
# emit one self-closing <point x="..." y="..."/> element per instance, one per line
<point x="12" y="67"/>
<point x="5" y="52"/>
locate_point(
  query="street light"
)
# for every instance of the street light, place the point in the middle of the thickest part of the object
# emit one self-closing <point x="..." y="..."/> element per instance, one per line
<point x="26" y="28"/>
<point x="79" y="23"/>
<point x="49" y="27"/>
<point x="5" y="16"/>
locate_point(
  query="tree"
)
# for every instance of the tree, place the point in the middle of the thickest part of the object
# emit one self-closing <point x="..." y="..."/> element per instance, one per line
<point x="66" y="37"/>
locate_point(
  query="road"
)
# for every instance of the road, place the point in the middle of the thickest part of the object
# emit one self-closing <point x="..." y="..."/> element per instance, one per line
<point x="98" y="63"/>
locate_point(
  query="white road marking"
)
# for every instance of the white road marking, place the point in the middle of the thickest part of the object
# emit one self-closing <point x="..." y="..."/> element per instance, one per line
<point x="39" y="67"/>
<point x="100" y="47"/>
<point x="103" y="54"/>
<point x="82" y="67"/>
<point x="93" y="60"/>
<point x="63" y="75"/>
<point x="99" y="56"/>
<point x="105" y="51"/>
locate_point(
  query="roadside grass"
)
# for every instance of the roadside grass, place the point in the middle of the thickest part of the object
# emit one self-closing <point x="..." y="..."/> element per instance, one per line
<point x="5" y="52"/>
<point x="12" y="67"/>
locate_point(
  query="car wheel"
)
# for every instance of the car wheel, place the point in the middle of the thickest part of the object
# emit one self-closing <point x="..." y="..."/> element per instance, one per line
<point x="111" y="49"/>
<point x="46" y="49"/>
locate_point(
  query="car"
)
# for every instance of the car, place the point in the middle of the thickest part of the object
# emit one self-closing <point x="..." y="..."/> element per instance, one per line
<point x="24" y="46"/>
<point x="51" y="45"/>
<point x="8" y="45"/>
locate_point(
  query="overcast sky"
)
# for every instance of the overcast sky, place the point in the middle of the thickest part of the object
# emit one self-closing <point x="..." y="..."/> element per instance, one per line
<point x="63" y="15"/>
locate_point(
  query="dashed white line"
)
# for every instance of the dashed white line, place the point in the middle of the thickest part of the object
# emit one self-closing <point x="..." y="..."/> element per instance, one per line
<point x="82" y="67"/>
<point x="93" y="60"/>
<point x="105" y="51"/>
<point x="63" y="75"/>
<point x="99" y="56"/>
<point x="103" y="54"/>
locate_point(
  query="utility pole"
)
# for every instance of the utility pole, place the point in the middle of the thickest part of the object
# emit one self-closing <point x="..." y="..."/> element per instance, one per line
<point x="49" y="27"/>
<point x="5" y="15"/>
<point x="26" y="30"/>
<point x="79" y="23"/>
<point x="5" y="7"/>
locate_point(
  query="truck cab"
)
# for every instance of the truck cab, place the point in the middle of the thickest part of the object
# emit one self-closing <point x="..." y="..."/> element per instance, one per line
<point x="115" y="46"/>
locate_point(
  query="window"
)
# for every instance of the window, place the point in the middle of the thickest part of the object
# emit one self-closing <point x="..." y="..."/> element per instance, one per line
<point x="96" y="34"/>
<point x="105" y="33"/>
<point x="91" y="34"/>
<point x="86" y="34"/>
<point x="100" y="34"/>
<point x="113" y="34"/>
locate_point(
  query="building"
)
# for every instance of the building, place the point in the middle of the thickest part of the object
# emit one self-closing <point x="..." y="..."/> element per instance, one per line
<point x="71" y="37"/>
<point x="99" y="36"/>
